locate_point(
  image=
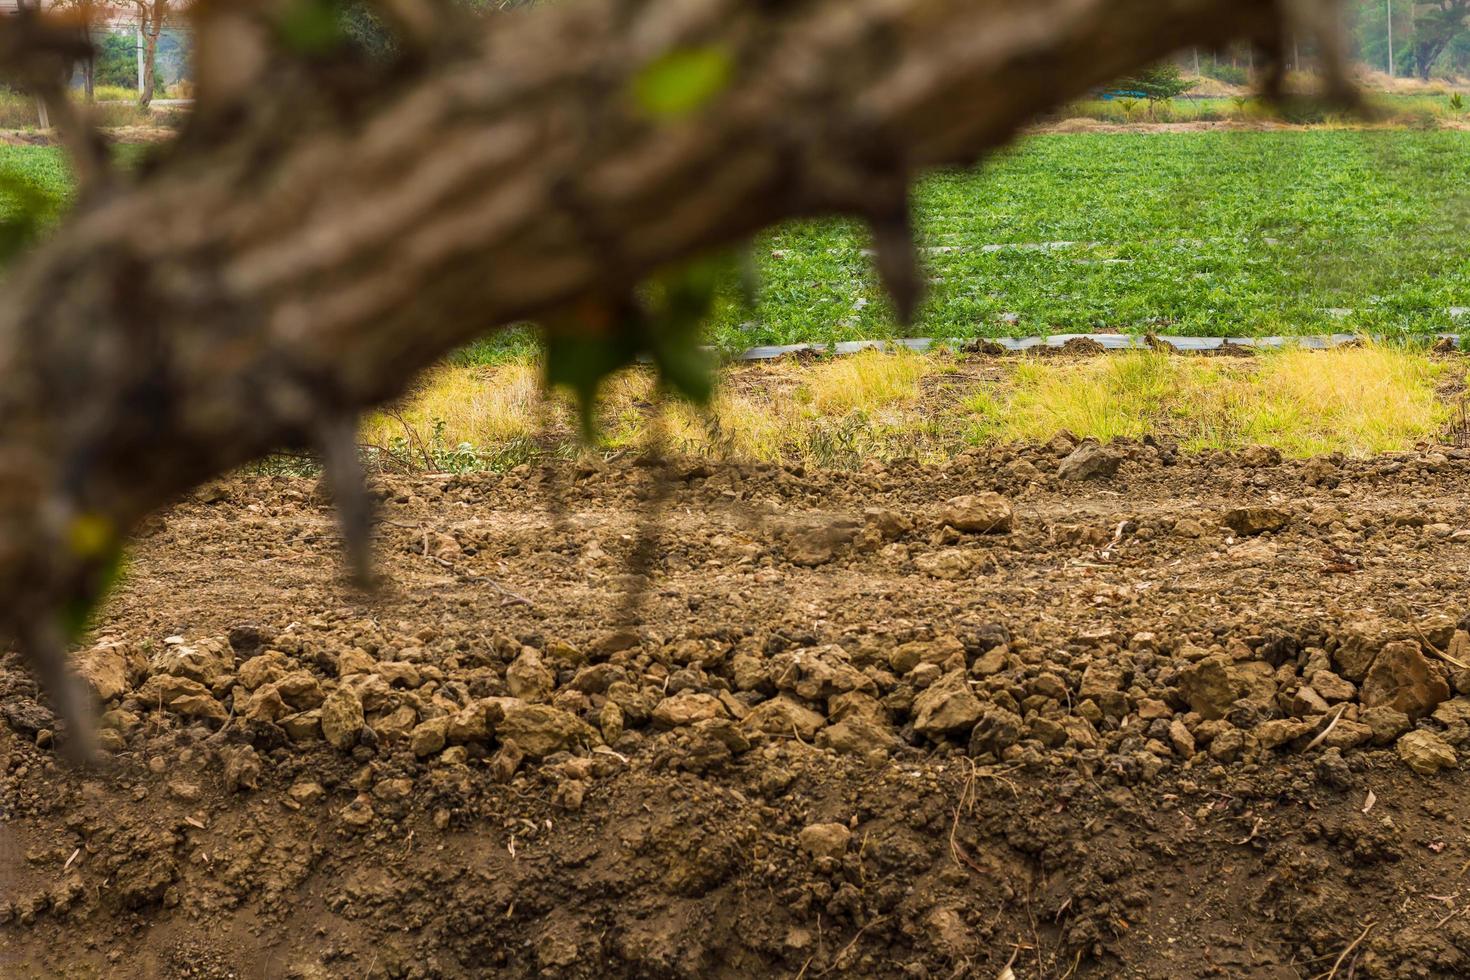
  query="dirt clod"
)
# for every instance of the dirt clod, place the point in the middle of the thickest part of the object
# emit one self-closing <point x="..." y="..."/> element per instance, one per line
<point x="341" y="718"/>
<point x="1089" y="461"/>
<point x="985" y="513"/>
<point x="1402" y="678"/>
<point x="1250" y="521"/>
<point x="825" y="840"/>
<point x="1425" y="752"/>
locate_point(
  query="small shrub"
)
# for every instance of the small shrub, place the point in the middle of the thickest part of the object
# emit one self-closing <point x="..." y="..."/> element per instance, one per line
<point x="1302" y="113"/>
<point x="1159" y="84"/>
<point x="1229" y="74"/>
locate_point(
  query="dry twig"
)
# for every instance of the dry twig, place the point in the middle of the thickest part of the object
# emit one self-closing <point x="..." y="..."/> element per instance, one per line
<point x="1330" y="974"/>
<point x="1322" y="735"/>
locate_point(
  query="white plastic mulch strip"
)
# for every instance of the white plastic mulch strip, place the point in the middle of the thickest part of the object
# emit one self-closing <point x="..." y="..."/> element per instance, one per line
<point x="1108" y="341"/>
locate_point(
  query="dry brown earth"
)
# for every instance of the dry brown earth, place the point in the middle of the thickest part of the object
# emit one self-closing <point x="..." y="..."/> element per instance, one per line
<point x="854" y="727"/>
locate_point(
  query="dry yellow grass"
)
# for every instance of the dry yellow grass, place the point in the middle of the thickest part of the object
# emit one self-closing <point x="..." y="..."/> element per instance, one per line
<point x="836" y="412"/>
<point x="1355" y="400"/>
<point x="866" y="382"/>
<point x="845" y="411"/>
<point x="480" y="406"/>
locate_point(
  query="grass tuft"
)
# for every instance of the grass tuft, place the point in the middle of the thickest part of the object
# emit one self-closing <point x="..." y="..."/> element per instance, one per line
<point x="454" y="405"/>
<point x="1358" y="401"/>
<point x="1103" y="397"/>
<point x="866" y="382"/>
<point x="1355" y="400"/>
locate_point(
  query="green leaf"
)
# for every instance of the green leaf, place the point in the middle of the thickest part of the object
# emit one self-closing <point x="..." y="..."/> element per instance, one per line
<point x="686" y="371"/>
<point x="665" y="321"/>
<point x="580" y="361"/>
<point x="681" y="301"/>
<point x="77" y="614"/>
<point x="682" y="82"/>
<point x="314" y="26"/>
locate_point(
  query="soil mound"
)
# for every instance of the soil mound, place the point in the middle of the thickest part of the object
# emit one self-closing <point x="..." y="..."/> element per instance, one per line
<point x="1176" y="715"/>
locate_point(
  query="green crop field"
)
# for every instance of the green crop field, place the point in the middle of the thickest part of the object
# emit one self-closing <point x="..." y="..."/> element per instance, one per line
<point x="43" y="168"/>
<point x="40" y="165"/>
<point x="1208" y="233"/>
<point x="1204" y="233"/>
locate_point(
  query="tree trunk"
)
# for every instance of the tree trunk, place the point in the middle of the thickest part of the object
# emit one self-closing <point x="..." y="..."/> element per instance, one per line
<point x="301" y="254"/>
<point x="151" y="28"/>
<point x="1423" y="62"/>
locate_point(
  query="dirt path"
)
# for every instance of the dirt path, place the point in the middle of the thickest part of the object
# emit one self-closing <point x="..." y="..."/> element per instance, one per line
<point x="838" y="736"/>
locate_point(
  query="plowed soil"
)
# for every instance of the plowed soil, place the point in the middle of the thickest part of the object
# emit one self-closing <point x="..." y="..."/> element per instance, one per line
<point x="809" y="727"/>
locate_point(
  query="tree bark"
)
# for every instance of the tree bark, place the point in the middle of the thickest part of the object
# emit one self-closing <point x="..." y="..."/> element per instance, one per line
<point x="150" y="22"/>
<point x="87" y="11"/>
<point x="293" y="259"/>
<point x="1426" y="53"/>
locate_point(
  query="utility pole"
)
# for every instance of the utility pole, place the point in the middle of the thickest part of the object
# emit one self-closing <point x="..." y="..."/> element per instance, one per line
<point x="42" y="116"/>
<point x="1389" y="5"/>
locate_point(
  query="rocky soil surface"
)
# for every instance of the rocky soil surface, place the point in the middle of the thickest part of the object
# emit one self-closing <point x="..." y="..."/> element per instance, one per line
<point x="1086" y="711"/>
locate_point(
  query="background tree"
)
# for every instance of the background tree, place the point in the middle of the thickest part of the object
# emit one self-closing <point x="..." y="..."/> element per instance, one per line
<point x="116" y="59"/>
<point x="151" y="16"/>
<point x="1436" y="26"/>
<point x="1157" y="83"/>
<point x="87" y="13"/>
<point x="328" y="224"/>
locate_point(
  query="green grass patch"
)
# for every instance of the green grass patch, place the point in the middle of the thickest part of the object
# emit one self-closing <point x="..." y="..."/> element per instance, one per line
<point x="1203" y="233"/>
<point x="42" y="166"/>
<point x="38" y="180"/>
<point x="1197" y="233"/>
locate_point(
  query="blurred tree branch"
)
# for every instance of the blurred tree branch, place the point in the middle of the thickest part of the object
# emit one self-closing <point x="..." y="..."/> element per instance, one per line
<point x="327" y="226"/>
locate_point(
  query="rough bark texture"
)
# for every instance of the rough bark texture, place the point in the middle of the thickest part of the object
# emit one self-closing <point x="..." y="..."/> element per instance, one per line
<point x="149" y="24"/>
<point x="312" y="242"/>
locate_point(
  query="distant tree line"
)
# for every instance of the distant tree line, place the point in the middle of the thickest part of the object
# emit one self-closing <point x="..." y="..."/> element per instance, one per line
<point x="1405" y="38"/>
<point x="1427" y="38"/>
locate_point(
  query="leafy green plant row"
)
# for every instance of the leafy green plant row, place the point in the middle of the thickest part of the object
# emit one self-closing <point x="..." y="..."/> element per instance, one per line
<point x="1211" y="233"/>
<point x="1208" y="233"/>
